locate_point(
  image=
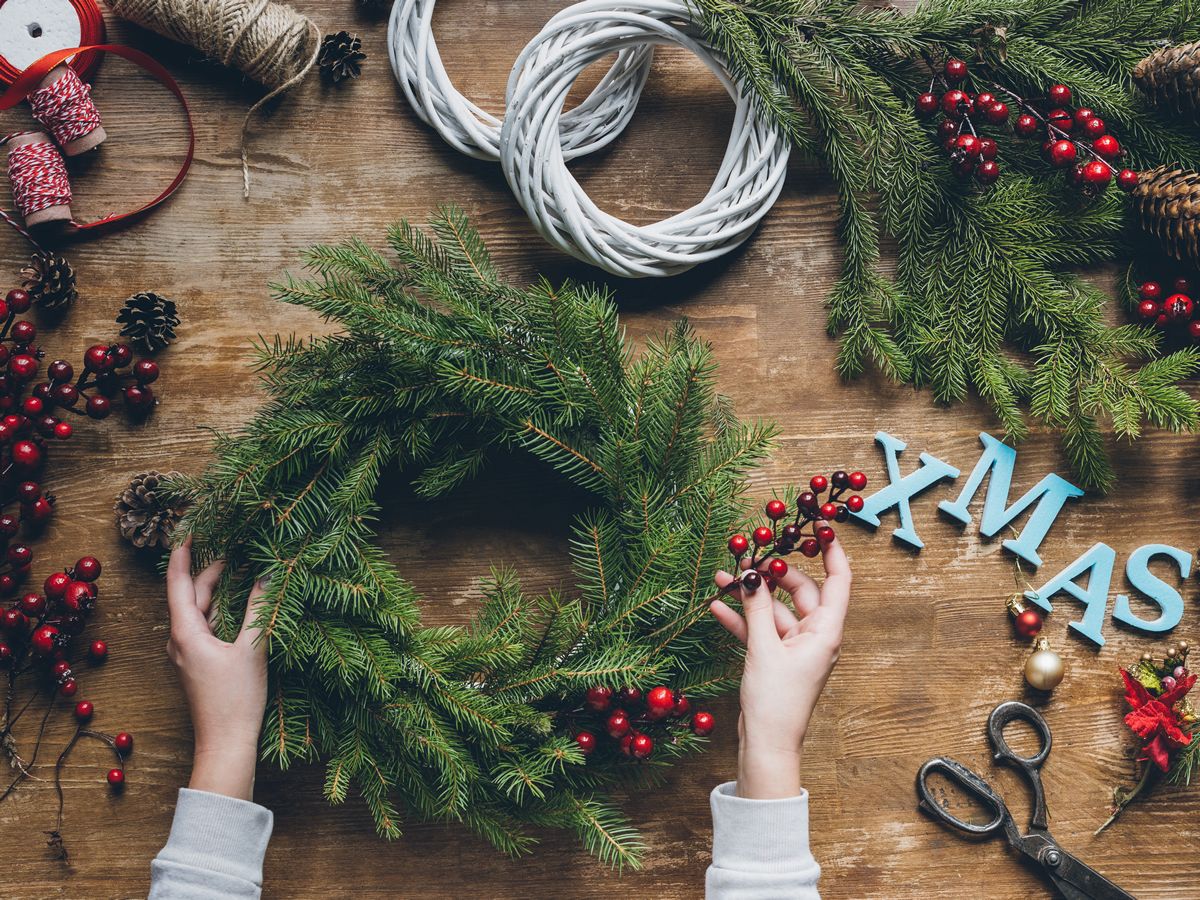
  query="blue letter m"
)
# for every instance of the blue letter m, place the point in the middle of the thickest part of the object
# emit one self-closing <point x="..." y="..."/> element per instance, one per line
<point x="1050" y="494"/>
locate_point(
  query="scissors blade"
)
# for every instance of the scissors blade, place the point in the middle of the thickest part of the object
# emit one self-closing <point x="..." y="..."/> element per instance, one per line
<point x="1078" y="881"/>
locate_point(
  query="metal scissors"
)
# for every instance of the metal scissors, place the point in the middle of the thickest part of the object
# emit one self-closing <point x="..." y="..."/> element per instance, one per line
<point x="1074" y="880"/>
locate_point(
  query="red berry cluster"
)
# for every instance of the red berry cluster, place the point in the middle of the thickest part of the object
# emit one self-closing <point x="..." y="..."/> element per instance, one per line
<point x="970" y="151"/>
<point x="811" y="514"/>
<point x="1075" y="140"/>
<point x="1176" y="310"/>
<point x="36" y="635"/>
<point x="628" y="717"/>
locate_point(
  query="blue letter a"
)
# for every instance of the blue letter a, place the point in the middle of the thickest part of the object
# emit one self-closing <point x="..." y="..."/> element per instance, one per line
<point x="1050" y="494"/>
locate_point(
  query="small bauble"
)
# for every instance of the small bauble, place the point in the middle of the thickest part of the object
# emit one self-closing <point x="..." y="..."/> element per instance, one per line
<point x="1028" y="623"/>
<point x="1044" y="670"/>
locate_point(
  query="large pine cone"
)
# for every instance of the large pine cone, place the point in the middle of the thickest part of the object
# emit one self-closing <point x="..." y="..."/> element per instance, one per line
<point x="145" y="517"/>
<point x="50" y="281"/>
<point x="148" y="320"/>
<point x="1167" y="204"/>
<point x="1170" y="77"/>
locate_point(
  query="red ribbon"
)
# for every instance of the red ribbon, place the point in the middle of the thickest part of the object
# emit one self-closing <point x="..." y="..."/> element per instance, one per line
<point x="28" y="81"/>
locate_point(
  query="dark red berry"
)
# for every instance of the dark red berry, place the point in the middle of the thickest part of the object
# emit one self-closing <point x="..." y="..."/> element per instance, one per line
<point x="1062" y="153"/>
<point x="23" y="332"/>
<point x="854" y="503"/>
<point x="123" y="743"/>
<point x="763" y="536"/>
<point x="26" y="455"/>
<point x="32" y="406"/>
<point x="1097" y="174"/>
<point x="77" y="596"/>
<point x="703" y="724"/>
<point x="751" y="581"/>
<point x="12" y="619"/>
<point x="828" y="511"/>
<point x="956" y="104"/>
<point x="22" y="367"/>
<point x="825" y="534"/>
<point x="98" y="651"/>
<point x="947" y="129"/>
<point x="818" y="483"/>
<point x="641" y="746"/>
<point x="61" y="370"/>
<point x="1107" y="146"/>
<point x="996" y="113"/>
<point x="1094" y="127"/>
<point x="1127" y="180"/>
<point x="617" y="724"/>
<point x="856" y="481"/>
<point x="44" y="639"/>
<point x="32" y="605"/>
<point x="1059" y="94"/>
<point x="1082" y="114"/>
<point x="927" y="104"/>
<point x="98" y="406"/>
<point x="1148" y="309"/>
<point x="146" y="371"/>
<point x="955" y="70"/>
<point x="584" y="740"/>
<point x="19" y="555"/>
<point x="599" y="698"/>
<point x="122" y="356"/>
<point x="987" y="172"/>
<point x="659" y="702"/>
<point x="139" y="398"/>
<point x="6" y="654"/>
<point x="116" y="778"/>
<point x="1150" y="290"/>
<point x="1060" y="119"/>
<point x="69" y="687"/>
<point x="17" y="301"/>
<point x="97" y="358"/>
<point x="810" y="548"/>
<point x="776" y="509"/>
<point x="807" y="501"/>
<point x="87" y="568"/>
<point x="629" y="696"/>
<point x="777" y="568"/>
<point x="1025" y="125"/>
<point x="988" y="148"/>
<point x="84" y="710"/>
<point x="40" y="510"/>
<point x="967" y="144"/>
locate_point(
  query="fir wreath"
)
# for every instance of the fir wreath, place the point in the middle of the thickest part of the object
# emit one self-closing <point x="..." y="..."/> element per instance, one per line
<point x="464" y="723"/>
<point x="985" y="298"/>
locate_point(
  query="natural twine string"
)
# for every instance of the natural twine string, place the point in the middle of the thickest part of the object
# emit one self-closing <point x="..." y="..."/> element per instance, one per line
<point x="270" y="42"/>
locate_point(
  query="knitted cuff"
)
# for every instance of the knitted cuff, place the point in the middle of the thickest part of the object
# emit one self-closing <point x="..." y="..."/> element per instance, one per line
<point x="219" y="834"/>
<point x="761" y="835"/>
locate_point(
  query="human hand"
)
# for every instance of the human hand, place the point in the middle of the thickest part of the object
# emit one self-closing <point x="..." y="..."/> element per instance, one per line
<point x="225" y="684"/>
<point x="788" y="658"/>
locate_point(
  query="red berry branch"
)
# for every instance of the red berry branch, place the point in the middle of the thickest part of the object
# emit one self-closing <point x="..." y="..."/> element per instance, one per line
<point x="38" y="630"/>
<point x="1077" y="139"/>
<point x="1174" y="312"/>
<point x="633" y="720"/>
<point x="809" y="531"/>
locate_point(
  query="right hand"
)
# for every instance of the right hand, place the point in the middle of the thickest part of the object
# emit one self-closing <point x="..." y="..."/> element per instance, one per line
<point x="225" y="683"/>
<point x="788" y="659"/>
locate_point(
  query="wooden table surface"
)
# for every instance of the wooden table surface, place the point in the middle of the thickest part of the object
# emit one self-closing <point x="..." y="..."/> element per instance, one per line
<point x="928" y="649"/>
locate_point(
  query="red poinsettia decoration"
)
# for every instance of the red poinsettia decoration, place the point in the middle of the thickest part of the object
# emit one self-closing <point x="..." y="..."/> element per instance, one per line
<point x="1155" y="720"/>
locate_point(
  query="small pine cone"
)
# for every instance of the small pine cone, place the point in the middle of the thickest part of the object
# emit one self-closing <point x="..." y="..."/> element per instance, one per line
<point x="50" y="281"/>
<point x="148" y="320"/>
<point x="1166" y="202"/>
<point x="1170" y="77"/>
<point x="146" y="518"/>
<point x="341" y="56"/>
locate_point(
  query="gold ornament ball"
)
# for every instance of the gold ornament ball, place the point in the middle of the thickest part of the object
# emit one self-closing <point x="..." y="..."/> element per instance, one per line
<point x="1044" y="670"/>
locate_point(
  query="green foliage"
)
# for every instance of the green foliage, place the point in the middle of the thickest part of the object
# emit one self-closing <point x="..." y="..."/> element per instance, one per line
<point x="982" y="300"/>
<point x="438" y="366"/>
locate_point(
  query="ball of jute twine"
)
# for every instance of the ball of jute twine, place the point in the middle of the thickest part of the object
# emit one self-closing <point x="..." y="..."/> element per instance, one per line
<point x="267" y="41"/>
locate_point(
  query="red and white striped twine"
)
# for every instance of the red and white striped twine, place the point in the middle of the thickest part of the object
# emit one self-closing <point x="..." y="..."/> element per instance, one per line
<point x="38" y="175"/>
<point x="65" y="108"/>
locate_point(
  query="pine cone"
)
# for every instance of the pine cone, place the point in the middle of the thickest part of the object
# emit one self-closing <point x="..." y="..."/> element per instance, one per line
<point x="144" y="518"/>
<point x="341" y="56"/>
<point x="1167" y="204"/>
<point x="148" y="320"/>
<point x="1170" y="77"/>
<point x="50" y="281"/>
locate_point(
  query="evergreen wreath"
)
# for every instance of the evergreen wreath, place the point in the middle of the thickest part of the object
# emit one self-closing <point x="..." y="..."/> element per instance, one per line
<point x="984" y="297"/>
<point x="441" y="365"/>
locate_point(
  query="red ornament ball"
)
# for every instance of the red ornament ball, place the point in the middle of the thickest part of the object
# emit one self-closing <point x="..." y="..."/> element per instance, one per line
<point x="703" y="724"/>
<point x="599" y="698"/>
<point x="123" y="743"/>
<point x="776" y="510"/>
<point x="955" y="70"/>
<point x="84" y="710"/>
<point x="98" y="651"/>
<point x="763" y="536"/>
<point x="1028" y="623"/>
<point x="44" y="640"/>
<point x="116" y="778"/>
<point x="1179" y="306"/>
<point x="660" y="701"/>
<point x="777" y="568"/>
<point x="585" y="740"/>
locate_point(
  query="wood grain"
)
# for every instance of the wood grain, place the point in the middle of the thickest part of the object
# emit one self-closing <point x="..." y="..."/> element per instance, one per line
<point x="928" y="648"/>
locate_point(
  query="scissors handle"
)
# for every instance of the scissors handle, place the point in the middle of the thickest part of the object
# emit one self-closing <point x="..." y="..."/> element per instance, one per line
<point x="1000" y="718"/>
<point x="972" y="784"/>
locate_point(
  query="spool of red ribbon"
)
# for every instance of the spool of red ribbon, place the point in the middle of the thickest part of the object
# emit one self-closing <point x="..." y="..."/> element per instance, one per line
<point x="30" y="29"/>
<point x="32" y="76"/>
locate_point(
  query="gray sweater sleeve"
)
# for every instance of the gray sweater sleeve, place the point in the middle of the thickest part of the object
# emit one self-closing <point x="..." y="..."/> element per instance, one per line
<point x="215" y="850"/>
<point x="760" y="849"/>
